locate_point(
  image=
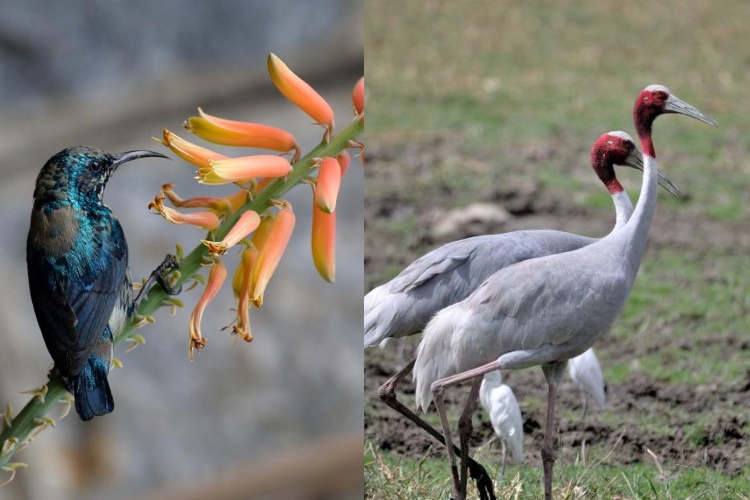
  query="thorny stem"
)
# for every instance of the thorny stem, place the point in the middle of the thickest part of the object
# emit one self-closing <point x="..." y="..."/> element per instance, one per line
<point x="25" y="422"/>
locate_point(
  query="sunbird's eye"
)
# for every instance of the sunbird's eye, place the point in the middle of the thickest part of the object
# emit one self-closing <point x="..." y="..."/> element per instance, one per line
<point x="95" y="166"/>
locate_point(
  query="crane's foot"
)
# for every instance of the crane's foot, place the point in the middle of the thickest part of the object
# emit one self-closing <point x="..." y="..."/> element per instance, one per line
<point x="482" y="478"/>
<point x="477" y="472"/>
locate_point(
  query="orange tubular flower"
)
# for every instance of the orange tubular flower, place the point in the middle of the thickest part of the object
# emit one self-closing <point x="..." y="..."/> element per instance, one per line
<point x="243" y="134"/>
<point x="229" y="205"/>
<point x="358" y="96"/>
<point x="246" y="224"/>
<point x="216" y="278"/>
<point x="241" y="285"/>
<point x="260" y="236"/>
<point x="344" y="159"/>
<point x="196" y="155"/>
<point x="329" y="181"/>
<point x="274" y="243"/>
<point x="190" y="152"/>
<point x="324" y="243"/>
<point x="300" y="94"/>
<point x="206" y="220"/>
<point x="247" y="167"/>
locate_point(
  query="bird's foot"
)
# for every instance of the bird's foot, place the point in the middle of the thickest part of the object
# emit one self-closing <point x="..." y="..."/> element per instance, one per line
<point x="170" y="263"/>
<point x="483" y="480"/>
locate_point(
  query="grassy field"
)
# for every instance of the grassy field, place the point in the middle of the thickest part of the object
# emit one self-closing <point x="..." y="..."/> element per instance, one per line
<point x="499" y="102"/>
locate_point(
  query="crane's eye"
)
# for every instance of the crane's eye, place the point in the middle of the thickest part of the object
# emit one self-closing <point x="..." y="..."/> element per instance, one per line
<point x="661" y="95"/>
<point x="95" y="166"/>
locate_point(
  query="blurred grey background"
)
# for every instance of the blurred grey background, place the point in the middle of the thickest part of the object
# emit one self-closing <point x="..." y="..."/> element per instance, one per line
<point x="113" y="74"/>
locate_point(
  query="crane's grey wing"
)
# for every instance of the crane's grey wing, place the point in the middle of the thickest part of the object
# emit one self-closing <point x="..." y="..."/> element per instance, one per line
<point x="528" y="305"/>
<point x="438" y="262"/>
<point x="448" y="274"/>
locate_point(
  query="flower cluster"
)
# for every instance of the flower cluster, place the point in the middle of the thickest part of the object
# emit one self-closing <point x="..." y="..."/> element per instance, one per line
<point x="263" y="233"/>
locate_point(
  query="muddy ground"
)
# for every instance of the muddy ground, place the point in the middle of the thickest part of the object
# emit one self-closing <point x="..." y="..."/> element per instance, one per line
<point x="701" y="425"/>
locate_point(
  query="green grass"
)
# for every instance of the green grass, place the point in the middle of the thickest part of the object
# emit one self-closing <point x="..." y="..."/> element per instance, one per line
<point x="388" y="476"/>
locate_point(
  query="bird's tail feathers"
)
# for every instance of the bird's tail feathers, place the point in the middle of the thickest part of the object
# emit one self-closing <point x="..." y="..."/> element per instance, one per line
<point x="376" y="306"/>
<point x="434" y="356"/>
<point x="91" y="390"/>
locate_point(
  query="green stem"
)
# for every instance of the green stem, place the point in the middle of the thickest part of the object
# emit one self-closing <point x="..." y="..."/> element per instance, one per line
<point x="23" y="424"/>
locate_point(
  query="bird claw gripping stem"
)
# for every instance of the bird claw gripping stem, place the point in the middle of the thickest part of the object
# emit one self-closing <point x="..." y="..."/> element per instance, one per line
<point x="170" y="263"/>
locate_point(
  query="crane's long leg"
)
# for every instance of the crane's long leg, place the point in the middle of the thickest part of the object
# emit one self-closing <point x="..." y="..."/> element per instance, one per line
<point x="465" y="427"/>
<point x="387" y="394"/>
<point x="553" y="373"/>
<point x="438" y="392"/>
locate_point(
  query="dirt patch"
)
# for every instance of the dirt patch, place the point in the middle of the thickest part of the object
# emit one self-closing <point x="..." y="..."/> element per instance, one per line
<point x="718" y="443"/>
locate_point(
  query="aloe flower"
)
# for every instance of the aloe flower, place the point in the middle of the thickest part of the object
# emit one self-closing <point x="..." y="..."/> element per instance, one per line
<point x="191" y="153"/>
<point x="216" y="278"/>
<point x="271" y="249"/>
<point x="323" y="243"/>
<point x="247" y="167"/>
<point x="243" y="134"/>
<point x="358" y="96"/>
<point x="206" y="220"/>
<point x="344" y="159"/>
<point x="241" y="284"/>
<point x="329" y="182"/>
<point x="301" y="94"/>
<point x="246" y="224"/>
<point x="227" y="205"/>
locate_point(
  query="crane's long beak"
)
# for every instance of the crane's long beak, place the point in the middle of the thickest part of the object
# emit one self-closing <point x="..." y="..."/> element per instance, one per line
<point x="665" y="182"/>
<point x="675" y="105"/>
<point x="635" y="160"/>
<point x="134" y="155"/>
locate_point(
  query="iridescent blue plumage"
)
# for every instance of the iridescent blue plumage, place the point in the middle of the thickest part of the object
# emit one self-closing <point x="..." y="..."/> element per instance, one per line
<point x="77" y="259"/>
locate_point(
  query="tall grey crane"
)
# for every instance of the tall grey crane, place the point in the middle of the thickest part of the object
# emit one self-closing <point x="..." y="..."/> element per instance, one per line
<point x="448" y="274"/>
<point x="546" y="310"/>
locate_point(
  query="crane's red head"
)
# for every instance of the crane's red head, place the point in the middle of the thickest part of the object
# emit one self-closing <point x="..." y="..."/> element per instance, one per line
<point x="656" y="100"/>
<point x="610" y="149"/>
<point x="618" y="148"/>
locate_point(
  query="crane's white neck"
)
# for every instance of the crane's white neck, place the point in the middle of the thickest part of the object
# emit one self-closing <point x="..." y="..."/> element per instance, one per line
<point x="623" y="208"/>
<point x="636" y="229"/>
